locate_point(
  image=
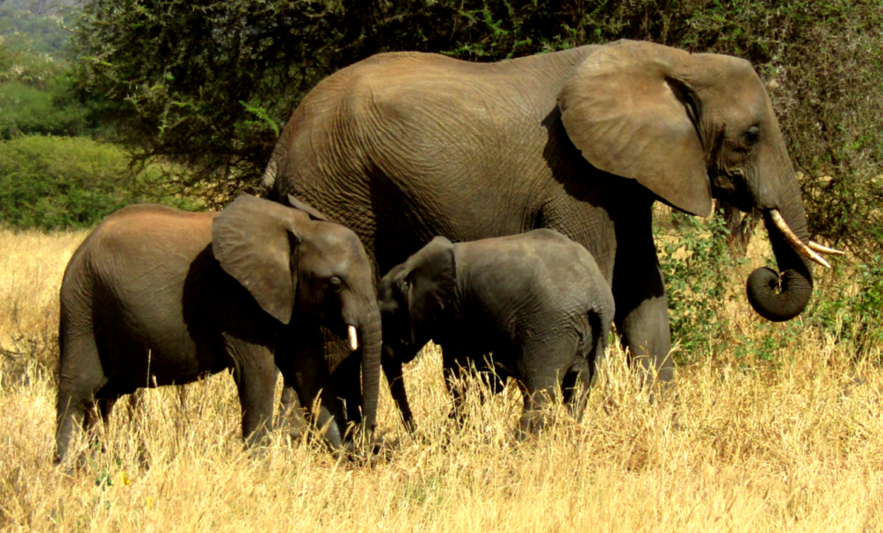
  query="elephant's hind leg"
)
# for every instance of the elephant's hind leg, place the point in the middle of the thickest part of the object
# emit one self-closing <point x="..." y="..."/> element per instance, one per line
<point x="584" y="371"/>
<point x="80" y="378"/>
<point x="543" y="365"/>
<point x="575" y="390"/>
<point x="539" y="393"/>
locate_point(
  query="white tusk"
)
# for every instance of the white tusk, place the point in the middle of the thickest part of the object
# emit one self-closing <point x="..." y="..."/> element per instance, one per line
<point x="816" y="247"/>
<point x="354" y="342"/>
<point x="794" y="241"/>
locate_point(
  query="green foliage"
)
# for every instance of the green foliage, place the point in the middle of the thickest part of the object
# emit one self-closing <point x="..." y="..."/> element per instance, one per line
<point x="38" y="29"/>
<point x="36" y="91"/>
<point x="33" y="69"/>
<point x="696" y="263"/>
<point x="26" y="110"/>
<point x="702" y="276"/>
<point x="52" y="182"/>
<point x="849" y="308"/>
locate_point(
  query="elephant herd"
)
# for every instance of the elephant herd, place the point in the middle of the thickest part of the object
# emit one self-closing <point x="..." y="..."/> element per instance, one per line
<point x="497" y="207"/>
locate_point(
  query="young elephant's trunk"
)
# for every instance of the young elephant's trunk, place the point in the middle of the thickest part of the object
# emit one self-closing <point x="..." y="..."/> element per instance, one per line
<point x="370" y="333"/>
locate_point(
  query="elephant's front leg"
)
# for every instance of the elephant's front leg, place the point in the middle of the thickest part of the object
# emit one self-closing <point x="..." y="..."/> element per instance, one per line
<point x="393" y="370"/>
<point x="300" y="356"/>
<point x="255" y="375"/>
<point x="642" y="312"/>
<point x="290" y="415"/>
<point x="346" y="380"/>
<point x="538" y="391"/>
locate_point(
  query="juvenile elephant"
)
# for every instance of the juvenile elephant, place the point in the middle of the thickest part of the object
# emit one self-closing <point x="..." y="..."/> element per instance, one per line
<point x="583" y="141"/>
<point x="536" y="300"/>
<point x="156" y="296"/>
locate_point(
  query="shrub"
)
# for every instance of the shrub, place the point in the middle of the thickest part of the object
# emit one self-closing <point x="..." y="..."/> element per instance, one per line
<point x="849" y="308"/>
<point x="698" y="277"/>
<point x="70" y="182"/>
<point x="28" y="110"/>
<point x="703" y="279"/>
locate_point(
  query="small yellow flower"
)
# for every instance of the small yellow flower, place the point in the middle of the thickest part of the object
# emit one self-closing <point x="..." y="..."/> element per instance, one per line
<point x="149" y="503"/>
<point x="124" y="478"/>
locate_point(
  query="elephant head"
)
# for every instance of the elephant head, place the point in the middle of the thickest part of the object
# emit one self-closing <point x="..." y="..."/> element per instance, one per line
<point x="413" y="295"/>
<point x="690" y="127"/>
<point x="296" y="265"/>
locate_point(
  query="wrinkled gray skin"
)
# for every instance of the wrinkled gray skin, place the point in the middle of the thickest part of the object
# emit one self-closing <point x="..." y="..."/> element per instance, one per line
<point x="156" y="296"/>
<point x="405" y="146"/>
<point x="536" y="300"/>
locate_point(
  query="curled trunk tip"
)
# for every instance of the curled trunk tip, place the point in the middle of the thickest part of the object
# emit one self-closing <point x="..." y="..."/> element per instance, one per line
<point x="778" y="297"/>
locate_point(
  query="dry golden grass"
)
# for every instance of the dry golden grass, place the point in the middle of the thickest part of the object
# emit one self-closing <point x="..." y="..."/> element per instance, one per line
<point x="794" y="446"/>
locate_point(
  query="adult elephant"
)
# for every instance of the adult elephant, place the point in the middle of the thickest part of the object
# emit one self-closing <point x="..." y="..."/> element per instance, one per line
<point x="401" y="147"/>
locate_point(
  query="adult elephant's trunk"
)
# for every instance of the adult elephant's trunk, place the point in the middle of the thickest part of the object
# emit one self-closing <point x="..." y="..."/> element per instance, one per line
<point x="780" y="296"/>
<point x="370" y="336"/>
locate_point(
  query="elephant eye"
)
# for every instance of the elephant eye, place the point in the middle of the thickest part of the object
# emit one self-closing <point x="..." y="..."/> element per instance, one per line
<point x="335" y="283"/>
<point x="752" y="135"/>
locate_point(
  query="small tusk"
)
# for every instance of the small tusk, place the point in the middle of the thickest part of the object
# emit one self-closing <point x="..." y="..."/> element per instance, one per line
<point x="816" y="247"/>
<point x="793" y="240"/>
<point x="354" y="342"/>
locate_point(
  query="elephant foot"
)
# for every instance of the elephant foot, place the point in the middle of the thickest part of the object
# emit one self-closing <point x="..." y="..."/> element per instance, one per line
<point x="295" y="434"/>
<point x="372" y="453"/>
<point x="530" y="425"/>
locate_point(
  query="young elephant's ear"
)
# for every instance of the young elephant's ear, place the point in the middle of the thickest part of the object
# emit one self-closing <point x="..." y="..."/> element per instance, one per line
<point x="314" y="213"/>
<point x="430" y="281"/>
<point x="252" y="239"/>
<point x="631" y="112"/>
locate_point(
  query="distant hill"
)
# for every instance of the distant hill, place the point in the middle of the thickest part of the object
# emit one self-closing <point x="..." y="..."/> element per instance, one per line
<point x="41" y="8"/>
<point x="35" y="26"/>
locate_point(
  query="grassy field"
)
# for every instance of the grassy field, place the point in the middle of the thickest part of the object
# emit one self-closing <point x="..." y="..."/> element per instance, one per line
<point x="792" y="444"/>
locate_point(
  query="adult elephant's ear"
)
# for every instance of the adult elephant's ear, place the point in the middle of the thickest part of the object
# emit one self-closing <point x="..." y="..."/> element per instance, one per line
<point x="630" y="110"/>
<point x="430" y="281"/>
<point x="252" y="240"/>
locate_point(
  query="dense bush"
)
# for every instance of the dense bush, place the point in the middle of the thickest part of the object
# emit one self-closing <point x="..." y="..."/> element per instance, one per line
<point x="27" y="110"/>
<point x="698" y="272"/>
<point x="850" y="307"/>
<point x="54" y="182"/>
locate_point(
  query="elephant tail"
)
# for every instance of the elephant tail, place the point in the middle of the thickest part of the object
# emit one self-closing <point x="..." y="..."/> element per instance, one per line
<point x="600" y="319"/>
<point x="268" y="180"/>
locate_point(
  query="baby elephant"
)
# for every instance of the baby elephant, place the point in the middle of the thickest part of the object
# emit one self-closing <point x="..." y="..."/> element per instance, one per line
<point x="536" y="300"/>
<point x="156" y="296"/>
